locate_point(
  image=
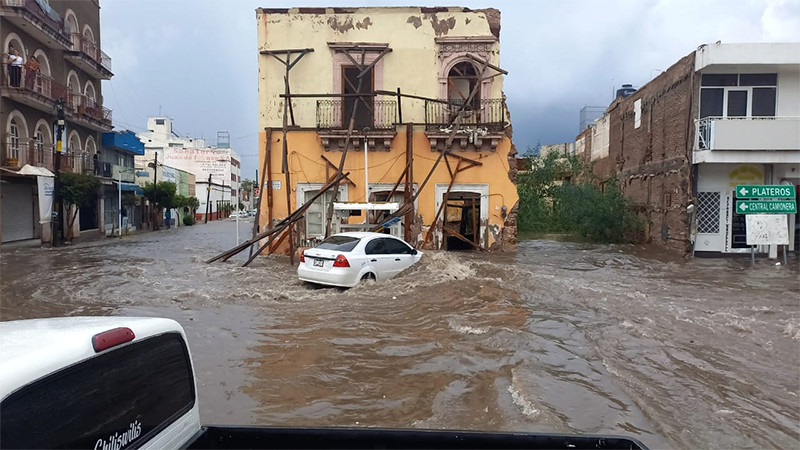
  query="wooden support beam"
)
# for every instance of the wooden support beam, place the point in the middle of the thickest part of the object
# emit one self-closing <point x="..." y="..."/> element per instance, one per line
<point x="291" y="50"/>
<point x="366" y="69"/>
<point x="467" y="160"/>
<point x="409" y="174"/>
<point x="365" y="94"/>
<point x="486" y="63"/>
<point x="396" y="185"/>
<point x="260" y="184"/>
<point x="418" y="97"/>
<point x="458" y="235"/>
<point x="296" y="60"/>
<point x="443" y="206"/>
<point x="329" y="164"/>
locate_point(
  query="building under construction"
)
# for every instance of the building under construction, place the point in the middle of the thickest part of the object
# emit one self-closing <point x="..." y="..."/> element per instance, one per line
<point x="390" y="118"/>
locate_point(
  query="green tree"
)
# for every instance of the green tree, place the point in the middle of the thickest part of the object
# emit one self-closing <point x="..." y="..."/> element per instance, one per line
<point x="246" y="185"/>
<point x="161" y="195"/>
<point x="193" y="203"/>
<point x="78" y="190"/>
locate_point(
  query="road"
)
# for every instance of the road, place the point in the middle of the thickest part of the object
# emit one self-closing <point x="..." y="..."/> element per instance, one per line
<point x="560" y="337"/>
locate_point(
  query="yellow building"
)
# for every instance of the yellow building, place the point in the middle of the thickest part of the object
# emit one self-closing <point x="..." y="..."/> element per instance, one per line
<point x="427" y="89"/>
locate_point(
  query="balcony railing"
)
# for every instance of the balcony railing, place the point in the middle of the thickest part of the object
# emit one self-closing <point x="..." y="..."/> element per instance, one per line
<point x="42" y="12"/>
<point x="34" y="82"/>
<point x="488" y="113"/>
<point x="17" y="152"/>
<point x="89" y="48"/>
<point x="87" y="106"/>
<point x="747" y="133"/>
<point x="335" y="114"/>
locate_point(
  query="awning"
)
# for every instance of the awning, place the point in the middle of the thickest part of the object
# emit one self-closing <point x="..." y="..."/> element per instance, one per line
<point x="33" y="171"/>
<point x="129" y="187"/>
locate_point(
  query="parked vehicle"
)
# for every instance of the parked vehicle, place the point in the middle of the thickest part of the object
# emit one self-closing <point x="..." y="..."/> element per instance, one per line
<point x="345" y="259"/>
<point x="114" y="383"/>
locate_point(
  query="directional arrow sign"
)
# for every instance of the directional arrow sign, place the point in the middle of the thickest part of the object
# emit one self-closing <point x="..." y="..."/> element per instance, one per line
<point x="765" y="191"/>
<point x="766" y="206"/>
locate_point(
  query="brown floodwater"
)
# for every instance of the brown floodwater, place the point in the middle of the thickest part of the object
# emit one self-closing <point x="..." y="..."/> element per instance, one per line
<point x="558" y="337"/>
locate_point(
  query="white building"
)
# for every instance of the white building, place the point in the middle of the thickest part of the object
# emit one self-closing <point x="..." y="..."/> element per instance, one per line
<point x="217" y="170"/>
<point x="747" y="132"/>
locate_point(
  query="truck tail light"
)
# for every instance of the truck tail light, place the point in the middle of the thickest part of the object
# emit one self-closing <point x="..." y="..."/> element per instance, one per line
<point x="341" y="261"/>
<point x="112" y="338"/>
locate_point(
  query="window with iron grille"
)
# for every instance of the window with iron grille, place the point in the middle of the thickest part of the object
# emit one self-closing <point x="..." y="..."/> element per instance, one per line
<point x="708" y="212"/>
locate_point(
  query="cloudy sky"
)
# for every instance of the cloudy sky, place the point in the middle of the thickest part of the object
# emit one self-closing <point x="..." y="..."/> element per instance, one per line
<point x="195" y="61"/>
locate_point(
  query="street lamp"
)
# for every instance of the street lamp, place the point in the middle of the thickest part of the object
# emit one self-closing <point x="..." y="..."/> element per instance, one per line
<point x="119" y="196"/>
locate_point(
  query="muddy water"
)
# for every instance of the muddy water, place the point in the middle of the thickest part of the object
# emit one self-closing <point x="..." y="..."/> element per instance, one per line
<point x="558" y="337"/>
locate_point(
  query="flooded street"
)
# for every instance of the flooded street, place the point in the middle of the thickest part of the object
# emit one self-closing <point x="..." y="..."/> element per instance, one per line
<point x="559" y="337"/>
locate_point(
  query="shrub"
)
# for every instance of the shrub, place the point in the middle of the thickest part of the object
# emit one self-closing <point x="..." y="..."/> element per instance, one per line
<point x="188" y="220"/>
<point x="549" y="201"/>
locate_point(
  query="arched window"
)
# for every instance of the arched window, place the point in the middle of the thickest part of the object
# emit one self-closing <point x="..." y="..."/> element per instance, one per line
<point x="13" y="139"/>
<point x="74" y="85"/>
<point x="40" y="154"/>
<point x="43" y="144"/>
<point x="71" y="23"/>
<point x="461" y="80"/>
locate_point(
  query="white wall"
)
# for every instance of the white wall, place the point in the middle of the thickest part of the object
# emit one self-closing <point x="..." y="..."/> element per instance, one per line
<point x="764" y="53"/>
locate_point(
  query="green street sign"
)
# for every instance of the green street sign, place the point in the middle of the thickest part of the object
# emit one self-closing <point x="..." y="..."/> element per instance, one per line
<point x="766" y="206"/>
<point x="765" y="191"/>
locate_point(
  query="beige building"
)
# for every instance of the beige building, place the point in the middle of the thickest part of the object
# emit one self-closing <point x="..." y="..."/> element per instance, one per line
<point x="427" y="89"/>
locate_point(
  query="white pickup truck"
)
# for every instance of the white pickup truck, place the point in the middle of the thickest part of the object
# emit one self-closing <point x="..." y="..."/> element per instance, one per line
<point x="114" y="383"/>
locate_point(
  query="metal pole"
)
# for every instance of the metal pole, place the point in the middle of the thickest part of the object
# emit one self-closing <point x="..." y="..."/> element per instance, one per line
<point x="238" y="211"/>
<point x="119" y="201"/>
<point x="366" y="176"/>
<point x="56" y="224"/>
<point x="208" y="198"/>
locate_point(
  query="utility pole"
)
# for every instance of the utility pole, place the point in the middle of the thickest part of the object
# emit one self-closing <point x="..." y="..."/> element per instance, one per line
<point x="208" y="198"/>
<point x="55" y="225"/>
<point x="153" y="211"/>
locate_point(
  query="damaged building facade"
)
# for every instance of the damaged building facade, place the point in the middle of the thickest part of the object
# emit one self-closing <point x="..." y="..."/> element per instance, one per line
<point x="421" y="90"/>
<point x="723" y="115"/>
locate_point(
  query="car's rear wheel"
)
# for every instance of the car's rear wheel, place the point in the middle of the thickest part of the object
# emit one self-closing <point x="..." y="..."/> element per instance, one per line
<point x="369" y="276"/>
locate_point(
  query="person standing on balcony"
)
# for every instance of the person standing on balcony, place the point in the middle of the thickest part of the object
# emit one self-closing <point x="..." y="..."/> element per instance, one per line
<point x="14" y="67"/>
<point x="31" y="73"/>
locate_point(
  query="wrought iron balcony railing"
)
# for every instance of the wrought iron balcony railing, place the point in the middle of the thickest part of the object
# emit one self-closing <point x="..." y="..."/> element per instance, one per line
<point x="84" y="45"/>
<point x="376" y="114"/>
<point x="30" y="81"/>
<point x="488" y="113"/>
<point x="87" y="106"/>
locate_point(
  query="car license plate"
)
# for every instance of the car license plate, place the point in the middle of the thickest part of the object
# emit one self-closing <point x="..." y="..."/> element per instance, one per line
<point x="319" y="262"/>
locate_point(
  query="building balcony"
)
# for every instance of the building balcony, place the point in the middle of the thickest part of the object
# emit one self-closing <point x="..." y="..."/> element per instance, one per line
<point x="33" y="89"/>
<point x="747" y="133"/>
<point x="88" y="56"/>
<point x="481" y="128"/>
<point x="39" y="20"/>
<point x="747" y="139"/>
<point x="333" y="121"/>
<point x="88" y="112"/>
<point x="17" y="152"/>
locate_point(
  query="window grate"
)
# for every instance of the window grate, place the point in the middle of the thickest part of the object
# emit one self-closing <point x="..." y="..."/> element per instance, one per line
<point x="708" y="212"/>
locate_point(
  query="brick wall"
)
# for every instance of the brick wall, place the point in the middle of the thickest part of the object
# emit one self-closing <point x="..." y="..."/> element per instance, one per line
<point x="652" y="162"/>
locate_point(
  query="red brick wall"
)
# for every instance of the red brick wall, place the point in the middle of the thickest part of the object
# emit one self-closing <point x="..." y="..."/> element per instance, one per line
<point x="652" y="163"/>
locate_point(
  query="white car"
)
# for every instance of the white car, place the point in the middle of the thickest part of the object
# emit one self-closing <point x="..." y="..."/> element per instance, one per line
<point x="345" y="259"/>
